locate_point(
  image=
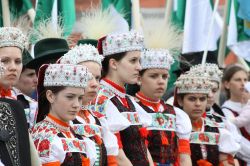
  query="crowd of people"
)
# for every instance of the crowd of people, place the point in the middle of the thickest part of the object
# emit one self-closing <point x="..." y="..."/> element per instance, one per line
<point x="82" y="115"/>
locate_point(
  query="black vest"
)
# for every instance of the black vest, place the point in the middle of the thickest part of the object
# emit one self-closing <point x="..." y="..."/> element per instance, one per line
<point x="212" y="150"/>
<point x="14" y="138"/>
<point x="217" y="110"/>
<point x="133" y="144"/>
<point x="162" y="153"/>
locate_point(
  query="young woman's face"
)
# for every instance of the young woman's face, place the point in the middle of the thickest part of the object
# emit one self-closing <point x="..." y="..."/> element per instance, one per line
<point x="236" y="84"/>
<point x="66" y="103"/>
<point x="194" y="104"/>
<point x="128" y="67"/>
<point x="93" y="85"/>
<point x="11" y="57"/>
<point x="212" y="94"/>
<point x="154" y="83"/>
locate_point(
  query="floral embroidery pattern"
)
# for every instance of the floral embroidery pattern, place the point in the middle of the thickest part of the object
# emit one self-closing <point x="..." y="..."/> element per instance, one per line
<point x="99" y="103"/>
<point x="162" y="121"/>
<point x="208" y="138"/>
<point x="87" y="130"/>
<point x="73" y="145"/>
<point x="44" y="147"/>
<point x="43" y="134"/>
<point x="132" y="117"/>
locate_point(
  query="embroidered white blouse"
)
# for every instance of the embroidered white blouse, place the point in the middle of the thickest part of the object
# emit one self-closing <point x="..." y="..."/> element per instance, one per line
<point x="118" y="121"/>
<point x="109" y="139"/>
<point x="52" y="148"/>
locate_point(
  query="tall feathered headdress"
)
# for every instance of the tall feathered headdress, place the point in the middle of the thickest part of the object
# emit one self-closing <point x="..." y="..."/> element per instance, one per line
<point x="162" y="41"/>
<point x="97" y="22"/>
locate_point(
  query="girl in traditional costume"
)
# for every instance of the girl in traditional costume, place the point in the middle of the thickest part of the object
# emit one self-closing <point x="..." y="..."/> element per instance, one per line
<point x="90" y="123"/>
<point x="168" y="138"/>
<point x="60" y="91"/>
<point x="214" y="111"/>
<point x="208" y="144"/>
<point x="15" y="144"/>
<point x="124" y="116"/>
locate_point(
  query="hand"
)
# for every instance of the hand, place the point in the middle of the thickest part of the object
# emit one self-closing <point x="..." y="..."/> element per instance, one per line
<point x="245" y="97"/>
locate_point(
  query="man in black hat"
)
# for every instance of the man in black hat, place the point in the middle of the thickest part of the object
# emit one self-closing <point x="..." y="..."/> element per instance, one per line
<point x="47" y="51"/>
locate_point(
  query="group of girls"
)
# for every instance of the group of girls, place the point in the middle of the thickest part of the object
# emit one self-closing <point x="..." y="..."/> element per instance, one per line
<point x="86" y="118"/>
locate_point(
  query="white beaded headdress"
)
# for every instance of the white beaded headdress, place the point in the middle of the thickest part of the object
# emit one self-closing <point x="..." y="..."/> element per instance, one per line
<point x="156" y="58"/>
<point x="67" y="75"/>
<point x="82" y="53"/>
<point x="193" y="82"/>
<point x="161" y="42"/>
<point x="215" y="74"/>
<point x="12" y="37"/>
<point x="121" y="42"/>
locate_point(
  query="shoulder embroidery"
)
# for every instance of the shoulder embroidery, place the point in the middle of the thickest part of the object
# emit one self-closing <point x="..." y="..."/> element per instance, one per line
<point x="73" y="145"/>
<point x="43" y="134"/>
<point x="87" y="130"/>
<point x="100" y="101"/>
<point x="162" y="121"/>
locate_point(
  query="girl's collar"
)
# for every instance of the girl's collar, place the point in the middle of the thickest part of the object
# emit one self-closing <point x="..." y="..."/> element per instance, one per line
<point x="141" y="96"/>
<point x="63" y="126"/>
<point x="113" y="87"/>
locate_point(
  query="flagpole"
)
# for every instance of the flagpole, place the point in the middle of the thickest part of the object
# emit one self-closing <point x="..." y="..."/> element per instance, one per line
<point x="169" y="7"/>
<point x="223" y="40"/>
<point x="136" y="14"/>
<point x="243" y="62"/>
<point x="6" y="13"/>
<point x="204" y="57"/>
<point x="54" y="15"/>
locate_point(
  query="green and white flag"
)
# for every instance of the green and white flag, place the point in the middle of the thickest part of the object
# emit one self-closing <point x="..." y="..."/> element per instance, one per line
<point x="17" y="8"/>
<point x="65" y="9"/>
<point x="196" y="26"/>
<point x="238" y="37"/>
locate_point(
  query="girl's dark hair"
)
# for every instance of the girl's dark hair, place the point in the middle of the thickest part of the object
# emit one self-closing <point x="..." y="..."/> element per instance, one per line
<point x="228" y="74"/>
<point x="43" y="103"/>
<point x="142" y="72"/>
<point x="132" y="89"/>
<point x="105" y="62"/>
<point x="176" y="97"/>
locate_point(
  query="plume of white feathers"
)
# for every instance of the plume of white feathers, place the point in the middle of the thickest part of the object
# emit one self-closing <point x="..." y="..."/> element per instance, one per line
<point x="24" y="24"/>
<point x="47" y="29"/>
<point x="161" y="35"/>
<point x="96" y="22"/>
